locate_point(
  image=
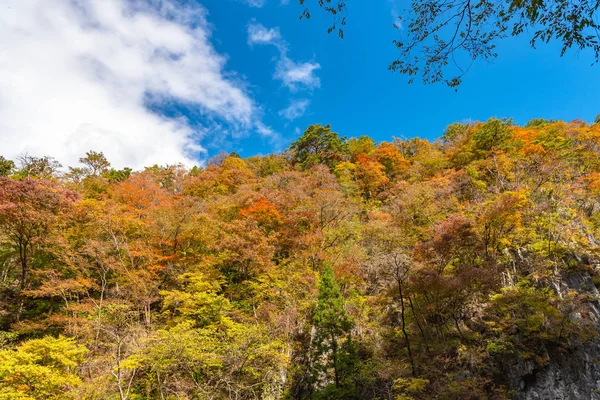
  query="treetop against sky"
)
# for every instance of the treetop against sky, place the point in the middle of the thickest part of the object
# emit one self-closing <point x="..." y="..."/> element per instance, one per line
<point x="181" y="80"/>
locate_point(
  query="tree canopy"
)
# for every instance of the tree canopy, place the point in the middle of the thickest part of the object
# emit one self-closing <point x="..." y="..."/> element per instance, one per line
<point x="343" y="268"/>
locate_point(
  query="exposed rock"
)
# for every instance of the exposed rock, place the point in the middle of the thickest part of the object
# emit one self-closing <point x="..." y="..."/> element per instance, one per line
<point x="573" y="375"/>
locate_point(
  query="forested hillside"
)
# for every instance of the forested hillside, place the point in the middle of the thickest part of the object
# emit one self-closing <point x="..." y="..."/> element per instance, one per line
<point x="340" y="269"/>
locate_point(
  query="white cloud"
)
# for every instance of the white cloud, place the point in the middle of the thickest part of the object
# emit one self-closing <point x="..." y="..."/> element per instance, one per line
<point x="297" y="75"/>
<point x="275" y="140"/>
<point x="294" y="75"/>
<point x="77" y="75"/>
<point x="296" y="109"/>
<point x="258" y="34"/>
<point x="256" y="3"/>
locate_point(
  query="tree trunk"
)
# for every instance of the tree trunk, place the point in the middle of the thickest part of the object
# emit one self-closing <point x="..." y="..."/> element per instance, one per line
<point x="403" y="324"/>
<point x="335" y="363"/>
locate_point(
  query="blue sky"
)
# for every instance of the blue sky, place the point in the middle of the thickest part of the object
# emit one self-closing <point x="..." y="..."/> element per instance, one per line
<point x="161" y="82"/>
<point x="358" y="95"/>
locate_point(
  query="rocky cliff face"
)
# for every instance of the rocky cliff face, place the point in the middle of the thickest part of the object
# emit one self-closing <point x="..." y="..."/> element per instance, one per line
<point x="571" y="375"/>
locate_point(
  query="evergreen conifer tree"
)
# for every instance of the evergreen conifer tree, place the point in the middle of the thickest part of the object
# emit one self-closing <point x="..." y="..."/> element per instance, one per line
<point x="332" y="325"/>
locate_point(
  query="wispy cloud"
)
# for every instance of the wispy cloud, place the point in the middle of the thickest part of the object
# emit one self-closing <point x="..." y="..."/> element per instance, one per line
<point x="297" y="75"/>
<point x="261" y="3"/>
<point x="296" y="109"/>
<point x="256" y="3"/>
<point x="258" y="34"/>
<point x="393" y="4"/>
<point x="293" y="74"/>
<point x="78" y="75"/>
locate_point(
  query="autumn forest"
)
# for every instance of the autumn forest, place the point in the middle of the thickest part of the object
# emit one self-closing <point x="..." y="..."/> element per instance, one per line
<point x="340" y="269"/>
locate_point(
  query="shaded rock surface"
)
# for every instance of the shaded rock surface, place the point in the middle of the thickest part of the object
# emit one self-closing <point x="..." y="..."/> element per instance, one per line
<point x="573" y="375"/>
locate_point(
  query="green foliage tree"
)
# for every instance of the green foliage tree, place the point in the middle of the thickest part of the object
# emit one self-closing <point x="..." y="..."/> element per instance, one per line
<point x="493" y="134"/>
<point x="95" y="163"/>
<point x="454" y="131"/>
<point x="6" y="166"/>
<point x="332" y="326"/>
<point x="318" y="145"/>
<point x="118" y="175"/>
<point x="538" y="122"/>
